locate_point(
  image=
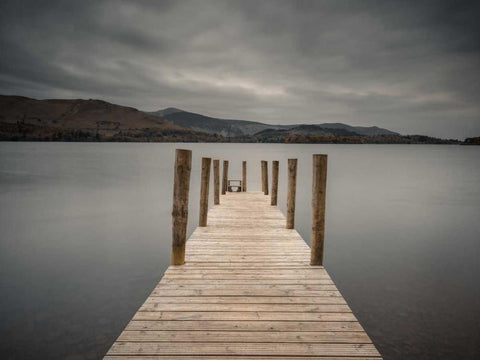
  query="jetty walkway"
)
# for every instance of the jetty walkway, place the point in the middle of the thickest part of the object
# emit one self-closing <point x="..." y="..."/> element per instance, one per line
<point x="246" y="291"/>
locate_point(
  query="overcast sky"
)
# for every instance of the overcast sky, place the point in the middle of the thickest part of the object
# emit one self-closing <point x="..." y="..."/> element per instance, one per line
<point x="409" y="66"/>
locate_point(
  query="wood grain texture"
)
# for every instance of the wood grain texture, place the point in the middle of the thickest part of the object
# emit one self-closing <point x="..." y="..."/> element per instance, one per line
<point x="181" y="188"/>
<point x="216" y="182"/>
<point x="291" y="192"/>
<point x="262" y="169"/>
<point x="204" y="191"/>
<point x="232" y="357"/>
<point x="274" y="195"/>
<point x="319" y="188"/>
<point x="225" y="177"/>
<point x="244" y="176"/>
<point x="246" y="291"/>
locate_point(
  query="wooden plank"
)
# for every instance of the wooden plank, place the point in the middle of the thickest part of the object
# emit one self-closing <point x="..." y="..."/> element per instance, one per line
<point x="244" y="285"/>
<point x="248" y="281"/>
<point x="241" y="292"/>
<point x="246" y="300"/>
<point x="284" y="308"/>
<point x="286" y="249"/>
<point x="245" y="336"/>
<point x="229" y="357"/>
<point x="231" y="348"/>
<point x="299" y="271"/>
<point x="248" y="278"/>
<point x="241" y="258"/>
<point x="242" y="325"/>
<point x="243" y="315"/>
<point x="250" y="265"/>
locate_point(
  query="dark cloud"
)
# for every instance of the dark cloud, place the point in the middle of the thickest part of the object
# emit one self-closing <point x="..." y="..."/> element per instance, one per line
<point x="410" y="66"/>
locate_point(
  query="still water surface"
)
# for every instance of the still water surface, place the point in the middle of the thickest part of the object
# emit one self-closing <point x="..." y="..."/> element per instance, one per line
<point x="85" y="236"/>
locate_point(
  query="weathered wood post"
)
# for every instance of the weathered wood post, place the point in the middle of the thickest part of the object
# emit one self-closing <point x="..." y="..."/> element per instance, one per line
<point x="244" y="176"/>
<point x="204" y="190"/>
<point x="273" y="199"/>
<point x="319" y="188"/>
<point x="216" y="182"/>
<point x="181" y="187"/>
<point x="292" y="185"/>
<point x="265" y="177"/>
<point x="225" y="177"/>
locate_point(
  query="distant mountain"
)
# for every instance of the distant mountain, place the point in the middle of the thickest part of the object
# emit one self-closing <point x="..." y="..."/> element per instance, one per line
<point x="305" y="130"/>
<point x="360" y="130"/>
<point x="23" y="118"/>
<point x="167" y="111"/>
<point x="198" y="122"/>
<point x="238" y="128"/>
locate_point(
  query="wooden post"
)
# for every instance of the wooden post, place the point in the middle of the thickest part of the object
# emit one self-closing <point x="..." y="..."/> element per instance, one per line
<point x="181" y="187"/>
<point x="225" y="177"/>
<point x="204" y="190"/>
<point x="319" y="188"/>
<point x="244" y="176"/>
<point x="265" y="177"/>
<point x="273" y="199"/>
<point x="216" y="182"/>
<point x="292" y="185"/>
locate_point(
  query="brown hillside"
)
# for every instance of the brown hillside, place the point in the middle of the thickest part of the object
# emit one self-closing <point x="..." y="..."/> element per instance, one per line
<point x="23" y="118"/>
<point x="76" y="114"/>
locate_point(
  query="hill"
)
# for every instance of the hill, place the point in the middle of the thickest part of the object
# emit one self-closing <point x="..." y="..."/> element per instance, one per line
<point x="23" y="118"/>
<point x="472" y="141"/>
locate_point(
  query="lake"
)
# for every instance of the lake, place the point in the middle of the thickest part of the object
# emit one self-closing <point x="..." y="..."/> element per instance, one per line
<point x="86" y="232"/>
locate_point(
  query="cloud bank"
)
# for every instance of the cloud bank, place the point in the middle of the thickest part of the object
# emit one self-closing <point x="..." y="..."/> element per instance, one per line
<point x="409" y="66"/>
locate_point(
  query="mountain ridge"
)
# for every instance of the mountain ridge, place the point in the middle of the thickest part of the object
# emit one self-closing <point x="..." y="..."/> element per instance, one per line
<point x="235" y="128"/>
<point x="26" y="119"/>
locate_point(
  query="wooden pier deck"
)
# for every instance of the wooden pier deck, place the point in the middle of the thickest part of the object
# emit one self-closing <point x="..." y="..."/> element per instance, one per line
<point x="246" y="291"/>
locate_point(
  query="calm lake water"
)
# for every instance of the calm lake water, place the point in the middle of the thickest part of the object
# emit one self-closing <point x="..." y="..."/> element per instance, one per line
<point x="85" y="236"/>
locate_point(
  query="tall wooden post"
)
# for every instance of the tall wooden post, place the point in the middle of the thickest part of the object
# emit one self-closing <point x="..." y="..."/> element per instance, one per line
<point x="216" y="182"/>
<point x="181" y="187"/>
<point x="225" y="177"/>
<point x="265" y="177"/>
<point x="244" y="176"/>
<point x="273" y="199"/>
<point x="204" y="190"/>
<point x="319" y="188"/>
<point x="292" y="185"/>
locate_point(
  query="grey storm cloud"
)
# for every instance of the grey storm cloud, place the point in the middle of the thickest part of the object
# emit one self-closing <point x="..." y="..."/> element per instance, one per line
<point x="409" y="66"/>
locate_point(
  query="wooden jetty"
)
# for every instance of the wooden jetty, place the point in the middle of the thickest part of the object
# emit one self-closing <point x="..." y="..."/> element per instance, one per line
<point x="246" y="290"/>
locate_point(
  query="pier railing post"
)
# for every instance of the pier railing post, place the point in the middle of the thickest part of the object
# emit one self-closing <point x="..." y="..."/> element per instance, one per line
<point x="225" y="177"/>
<point x="244" y="176"/>
<point x="265" y="177"/>
<point x="292" y="185"/>
<point x="181" y="187"/>
<point x="319" y="187"/>
<point x="273" y="199"/>
<point x="204" y="190"/>
<point x="216" y="182"/>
